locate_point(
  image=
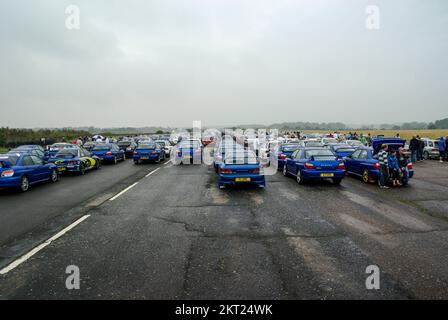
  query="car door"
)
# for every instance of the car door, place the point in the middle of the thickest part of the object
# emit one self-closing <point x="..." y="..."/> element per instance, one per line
<point x="363" y="162"/>
<point x="31" y="169"/>
<point x="350" y="161"/>
<point x="42" y="171"/>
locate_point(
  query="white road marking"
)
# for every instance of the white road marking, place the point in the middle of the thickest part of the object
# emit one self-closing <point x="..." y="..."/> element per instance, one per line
<point x="125" y="190"/>
<point x="31" y="253"/>
<point x="153" y="171"/>
<point x="168" y="162"/>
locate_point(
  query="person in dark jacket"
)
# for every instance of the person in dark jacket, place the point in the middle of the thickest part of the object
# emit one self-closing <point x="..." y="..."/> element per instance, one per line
<point x="413" y="146"/>
<point x="442" y="148"/>
<point x="421" y="147"/>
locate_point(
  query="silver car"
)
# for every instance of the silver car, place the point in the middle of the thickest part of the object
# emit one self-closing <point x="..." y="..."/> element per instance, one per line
<point x="431" y="150"/>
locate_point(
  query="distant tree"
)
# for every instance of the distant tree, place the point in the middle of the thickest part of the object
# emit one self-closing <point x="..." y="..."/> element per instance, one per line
<point x="159" y="132"/>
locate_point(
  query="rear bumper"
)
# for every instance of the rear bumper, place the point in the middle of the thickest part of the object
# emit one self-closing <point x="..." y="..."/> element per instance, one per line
<point x="231" y="179"/>
<point x="151" y="157"/>
<point x="317" y="174"/>
<point x="10" y="182"/>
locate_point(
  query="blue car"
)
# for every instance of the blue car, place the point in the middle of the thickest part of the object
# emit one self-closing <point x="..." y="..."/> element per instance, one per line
<point x="240" y="167"/>
<point x="109" y="152"/>
<point x="77" y="160"/>
<point x="225" y="146"/>
<point x="148" y="152"/>
<point x="285" y="150"/>
<point x="314" y="164"/>
<point x="341" y="149"/>
<point x="364" y="163"/>
<point x="188" y="151"/>
<point x="20" y="170"/>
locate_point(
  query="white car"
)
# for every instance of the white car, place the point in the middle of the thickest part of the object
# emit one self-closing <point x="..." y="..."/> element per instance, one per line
<point x="166" y="145"/>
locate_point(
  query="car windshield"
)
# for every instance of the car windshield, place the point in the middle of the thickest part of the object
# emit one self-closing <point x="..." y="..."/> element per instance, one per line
<point x="329" y="140"/>
<point x="162" y="143"/>
<point x="59" y="146"/>
<point x="67" y="153"/>
<point x="12" y="159"/>
<point x="240" y="158"/>
<point x="124" y="143"/>
<point x="148" y="146"/>
<point x="290" y="147"/>
<point x="321" y="154"/>
<point x="101" y="147"/>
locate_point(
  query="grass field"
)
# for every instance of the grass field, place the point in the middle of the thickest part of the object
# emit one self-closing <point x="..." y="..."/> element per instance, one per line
<point x="3" y="149"/>
<point x="405" y="134"/>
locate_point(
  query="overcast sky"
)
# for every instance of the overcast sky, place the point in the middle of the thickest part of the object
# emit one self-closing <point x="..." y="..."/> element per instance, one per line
<point x="225" y="62"/>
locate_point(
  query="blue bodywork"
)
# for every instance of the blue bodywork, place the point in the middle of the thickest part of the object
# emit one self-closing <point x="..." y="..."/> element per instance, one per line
<point x="285" y="150"/>
<point x="315" y="164"/>
<point x="151" y="152"/>
<point x="109" y="152"/>
<point x="237" y="170"/>
<point x="15" y="166"/>
<point x="363" y="161"/>
<point x="341" y="149"/>
<point x="188" y="152"/>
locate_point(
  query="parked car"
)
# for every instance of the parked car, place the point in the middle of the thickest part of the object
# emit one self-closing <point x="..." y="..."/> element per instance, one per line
<point x="188" y="151"/>
<point x="311" y="143"/>
<point x="240" y="167"/>
<point x="364" y="163"/>
<point x="21" y="170"/>
<point x="431" y="150"/>
<point x="354" y="143"/>
<point x="109" y="152"/>
<point x="166" y="146"/>
<point x="89" y="145"/>
<point x="225" y="146"/>
<point x="128" y="146"/>
<point x="327" y="141"/>
<point x="148" y="152"/>
<point x="77" y="160"/>
<point x="314" y="164"/>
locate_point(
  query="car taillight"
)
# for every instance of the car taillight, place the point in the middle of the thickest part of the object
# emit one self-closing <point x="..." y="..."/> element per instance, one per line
<point x="226" y="171"/>
<point x="341" y="166"/>
<point x="435" y="149"/>
<point x="377" y="165"/>
<point x="7" y="173"/>
<point x="310" y="165"/>
<point x="73" y="162"/>
<point x="135" y="152"/>
<point x="154" y="152"/>
<point x="282" y="156"/>
<point x="410" y="165"/>
<point x="257" y="170"/>
<point x="179" y="153"/>
<point x="109" y="153"/>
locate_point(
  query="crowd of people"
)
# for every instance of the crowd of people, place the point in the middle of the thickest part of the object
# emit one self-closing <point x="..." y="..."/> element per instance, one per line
<point x="417" y="146"/>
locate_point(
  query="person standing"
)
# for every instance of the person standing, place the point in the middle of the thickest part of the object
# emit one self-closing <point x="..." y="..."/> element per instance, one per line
<point x="394" y="169"/>
<point x="442" y="148"/>
<point x="384" y="164"/>
<point x="413" y="146"/>
<point x="421" y="147"/>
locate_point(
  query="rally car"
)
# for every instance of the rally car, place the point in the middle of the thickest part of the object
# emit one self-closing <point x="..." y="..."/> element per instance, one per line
<point x="77" y="160"/>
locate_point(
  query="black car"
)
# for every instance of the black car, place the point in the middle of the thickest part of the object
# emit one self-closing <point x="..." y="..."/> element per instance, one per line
<point x="127" y="146"/>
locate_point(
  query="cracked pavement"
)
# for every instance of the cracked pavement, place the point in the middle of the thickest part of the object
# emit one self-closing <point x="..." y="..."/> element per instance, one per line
<point x="175" y="235"/>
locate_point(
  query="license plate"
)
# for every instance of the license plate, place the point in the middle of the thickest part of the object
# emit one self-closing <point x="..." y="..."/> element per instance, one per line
<point x="242" y="179"/>
<point x="326" y="175"/>
<point x="61" y="169"/>
<point x="187" y="157"/>
<point x="144" y="158"/>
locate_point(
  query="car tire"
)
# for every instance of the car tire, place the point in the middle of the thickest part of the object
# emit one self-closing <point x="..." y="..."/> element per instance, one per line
<point x="337" y="181"/>
<point x="98" y="165"/>
<point x="54" y="176"/>
<point x="24" y="184"/>
<point x="82" y="170"/>
<point x="285" y="171"/>
<point x="366" y="176"/>
<point x="425" y="155"/>
<point x="299" y="178"/>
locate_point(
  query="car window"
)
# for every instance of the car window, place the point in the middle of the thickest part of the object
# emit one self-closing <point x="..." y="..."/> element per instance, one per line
<point x="356" y="154"/>
<point x="295" y="154"/>
<point x="37" y="160"/>
<point x="363" y="154"/>
<point x="27" y="161"/>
